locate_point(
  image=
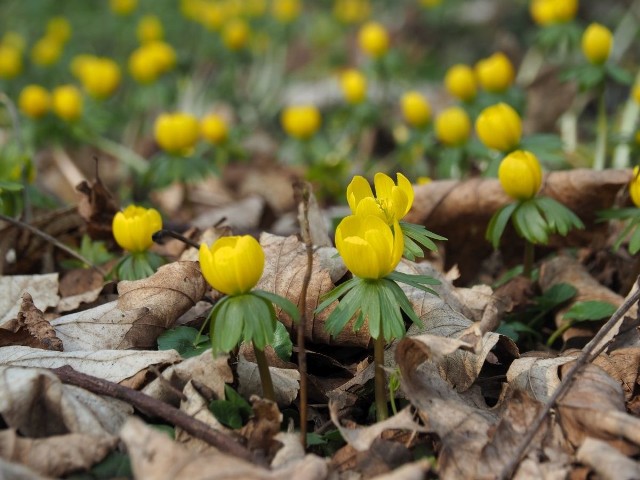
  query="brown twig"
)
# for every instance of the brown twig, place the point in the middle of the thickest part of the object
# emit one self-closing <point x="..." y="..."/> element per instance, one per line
<point x="53" y="241"/>
<point x="159" y="236"/>
<point x="152" y="406"/>
<point x="167" y="384"/>
<point x="589" y="353"/>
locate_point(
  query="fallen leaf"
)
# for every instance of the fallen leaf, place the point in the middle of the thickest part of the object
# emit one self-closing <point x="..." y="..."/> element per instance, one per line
<point x="263" y="426"/>
<point x="411" y="471"/>
<point x="78" y="286"/>
<point x="15" y="471"/>
<point x="243" y="215"/>
<point x="43" y="287"/>
<point x="286" y="381"/>
<point x="607" y="461"/>
<point x="537" y="376"/>
<point x="97" y="207"/>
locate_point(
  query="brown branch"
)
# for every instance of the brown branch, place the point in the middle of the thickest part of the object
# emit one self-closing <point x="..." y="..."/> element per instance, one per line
<point x="152" y="406"/>
<point x="589" y="353"/>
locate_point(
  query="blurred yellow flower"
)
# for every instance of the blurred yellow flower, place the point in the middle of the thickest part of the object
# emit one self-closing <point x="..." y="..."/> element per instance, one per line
<point x="46" y="51"/>
<point x="301" y="121"/>
<point x="213" y="128"/>
<point x="100" y="77"/>
<point x="67" y="102"/>
<point x="59" y="29"/>
<point x="34" y="101"/>
<point x="79" y="62"/>
<point x="368" y="246"/>
<point x="123" y="7"/>
<point x="354" y="85"/>
<point x="636" y="93"/>
<point x="520" y="175"/>
<point x="286" y="11"/>
<point x="499" y="127"/>
<point x="176" y="133"/>
<point x="547" y="12"/>
<point x="151" y="60"/>
<point x="415" y="109"/>
<point x="134" y="226"/>
<point x="373" y="39"/>
<point x="149" y="29"/>
<point x="430" y="3"/>
<point x="14" y="40"/>
<point x="232" y="265"/>
<point x="212" y="16"/>
<point x="495" y="73"/>
<point x="460" y="81"/>
<point x="351" y="11"/>
<point x="10" y="61"/>
<point x="390" y="203"/>
<point x="235" y="34"/>
<point x="597" y="42"/>
<point x="453" y="126"/>
<point x="424" y="180"/>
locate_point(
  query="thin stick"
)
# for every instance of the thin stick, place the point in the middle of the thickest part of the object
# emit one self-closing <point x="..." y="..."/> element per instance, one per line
<point x="53" y="241"/>
<point x="158" y="237"/>
<point x="589" y="353"/>
<point x="154" y="407"/>
<point x="265" y="375"/>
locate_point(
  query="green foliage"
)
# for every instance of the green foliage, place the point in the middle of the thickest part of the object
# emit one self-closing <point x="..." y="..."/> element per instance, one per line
<point x="631" y="218"/>
<point x="417" y="237"/>
<point x="282" y="343"/>
<point x="587" y="311"/>
<point x="187" y="341"/>
<point x="114" y="465"/>
<point x="135" y="266"/>
<point x="234" y="411"/>
<point x="94" y="251"/>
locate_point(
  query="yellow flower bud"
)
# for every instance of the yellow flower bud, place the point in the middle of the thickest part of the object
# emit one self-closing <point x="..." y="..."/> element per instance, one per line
<point x="134" y="226"/>
<point x="499" y="127"/>
<point x="496" y="73"/>
<point x="460" y="81"/>
<point x="636" y="93"/>
<point x="565" y="10"/>
<point x="235" y="34"/>
<point x="163" y="55"/>
<point x="354" y="86"/>
<point x="214" y="129"/>
<point x="232" y="265"/>
<point x="151" y="60"/>
<point x="149" y="29"/>
<point x="100" y="77"/>
<point x="520" y="175"/>
<point x="453" y="126"/>
<point x="59" y="29"/>
<point x="301" y="121"/>
<point x="390" y="203"/>
<point x="46" y="51"/>
<point x="634" y="187"/>
<point x="176" y="133"/>
<point x="10" y="62"/>
<point x="351" y="11"/>
<point x="123" y="7"/>
<point x="34" y="101"/>
<point x="67" y="102"/>
<point x="373" y="39"/>
<point x="78" y="64"/>
<point x="368" y="246"/>
<point x="543" y="12"/>
<point x="285" y="11"/>
<point x="597" y="42"/>
<point x="430" y="3"/>
<point x="415" y="109"/>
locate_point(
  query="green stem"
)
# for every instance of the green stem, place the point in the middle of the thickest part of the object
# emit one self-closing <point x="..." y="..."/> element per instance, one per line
<point x="380" y="381"/>
<point x="600" y="158"/>
<point x="527" y="267"/>
<point x="563" y="328"/>
<point x="265" y="376"/>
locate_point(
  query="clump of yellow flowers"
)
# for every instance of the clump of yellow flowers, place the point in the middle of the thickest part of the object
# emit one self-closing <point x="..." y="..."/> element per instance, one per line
<point x="371" y="242"/>
<point x="233" y="266"/>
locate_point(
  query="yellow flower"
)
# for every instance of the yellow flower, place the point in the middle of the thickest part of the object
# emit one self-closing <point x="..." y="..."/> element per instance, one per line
<point x="460" y="81"/>
<point x="543" y="12"/>
<point x="430" y="3"/>
<point x="133" y="227"/>
<point x="162" y="54"/>
<point x="565" y="10"/>
<point x="214" y="129"/>
<point x="123" y="7"/>
<point x="79" y="62"/>
<point x="373" y="39"/>
<point x="67" y="102"/>
<point x="351" y="11"/>
<point x="368" y="246"/>
<point x="301" y="121"/>
<point x="100" y="77"/>
<point x="34" y="101"/>
<point x="149" y="61"/>
<point x="453" y="126"/>
<point x="59" y="29"/>
<point x="14" y="40"/>
<point x="499" y="127"/>
<point x="149" y="29"/>
<point x="634" y="187"/>
<point x="496" y="73"/>
<point x="597" y="42"/>
<point x="46" y="51"/>
<point x="354" y="86"/>
<point x="415" y="109"/>
<point x="176" y="133"/>
<point x="10" y="61"/>
<point x="424" y="180"/>
<point x="232" y="265"/>
<point x="636" y="93"/>
<point x="235" y="34"/>
<point x="390" y="203"/>
<point x="285" y="11"/>
<point x="520" y="175"/>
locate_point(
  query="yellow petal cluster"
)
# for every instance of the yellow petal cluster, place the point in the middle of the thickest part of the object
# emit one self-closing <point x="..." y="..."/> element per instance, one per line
<point x="354" y="86"/>
<point x="634" y="187"/>
<point x="301" y="121"/>
<point x="285" y="11"/>
<point x="415" y="109"/>
<point x="67" y="102"/>
<point x="351" y="11"/>
<point x="390" y="203"/>
<point x="46" y="51"/>
<point x="10" y="61"/>
<point x="460" y="81"/>
<point x="34" y="101"/>
<point x="232" y="265"/>
<point x="100" y="77"/>
<point x="368" y="246"/>
<point x="495" y="73"/>
<point x="213" y="129"/>
<point x="499" y="127"/>
<point x="133" y="227"/>
<point x="59" y="29"/>
<point x="453" y="126"/>
<point x="548" y="12"/>
<point x="520" y="175"/>
<point x="235" y="34"/>
<point x="636" y="93"/>
<point x="148" y="62"/>
<point x="597" y="41"/>
<point x="123" y="7"/>
<point x="176" y="133"/>
<point x="149" y="29"/>
<point x="373" y="39"/>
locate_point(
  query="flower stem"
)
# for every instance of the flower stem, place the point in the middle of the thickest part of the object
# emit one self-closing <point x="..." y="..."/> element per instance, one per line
<point x="600" y="158"/>
<point x="527" y="267"/>
<point x="265" y="376"/>
<point x="380" y="382"/>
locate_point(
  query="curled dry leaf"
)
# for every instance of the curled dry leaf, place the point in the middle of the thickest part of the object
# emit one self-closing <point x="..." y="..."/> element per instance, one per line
<point x="145" y="309"/>
<point x="536" y="376"/>
<point x="37" y="404"/>
<point x="607" y="461"/>
<point x="97" y="207"/>
<point x="33" y="329"/>
<point x="44" y="288"/>
<point x="263" y="426"/>
<point x="57" y="455"/>
<point x="286" y="381"/>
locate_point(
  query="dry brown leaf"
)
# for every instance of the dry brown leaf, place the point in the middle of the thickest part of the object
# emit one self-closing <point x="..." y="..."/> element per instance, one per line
<point x="411" y="471"/>
<point x="97" y="207"/>
<point x="291" y="451"/>
<point x="607" y="461"/>
<point x="44" y="288"/>
<point x="57" y="455"/>
<point x="537" y="376"/>
<point x="15" y="471"/>
<point x="37" y="404"/>
<point x="146" y="308"/>
<point x="79" y="286"/>
<point x="263" y="426"/>
<point x="286" y="381"/>
<point x="622" y="365"/>
<point x="243" y="215"/>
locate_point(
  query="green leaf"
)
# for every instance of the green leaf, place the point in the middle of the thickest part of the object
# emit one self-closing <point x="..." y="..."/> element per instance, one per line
<point x="590" y="310"/>
<point x="634" y="242"/>
<point x="282" y="342"/>
<point x="234" y="411"/>
<point x="618" y="214"/>
<point x="115" y="465"/>
<point x="529" y="223"/>
<point x="559" y="218"/>
<point x="392" y="321"/>
<point x="416" y="281"/>
<point x="330" y="297"/>
<point x="185" y="340"/>
<point x="556" y="295"/>
<point x="226" y="326"/>
<point x="259" y="320"/>
<point x="618" y="74"/>
<point x="289" y="307"/>
<point x="370" y="306"/>
<point x="346" y="309"/>
<point x="403" y="302"/>
<point x="498" y="223"/>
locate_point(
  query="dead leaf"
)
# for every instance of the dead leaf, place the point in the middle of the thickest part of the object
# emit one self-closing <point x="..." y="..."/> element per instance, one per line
<point x="243" y="215"/>
<point x="411" y="471"/>
<point x="263" y="426"/>
<point x="34" y="330"/>
<point x="16" y="471"/>
<point x="286" y="381"/>
<point x="537" y="376"/>
<point x="43" y="287"/>
<point x="78" y="286"/>
<point x="607" y="461"/>
<point x="97" y="207"/>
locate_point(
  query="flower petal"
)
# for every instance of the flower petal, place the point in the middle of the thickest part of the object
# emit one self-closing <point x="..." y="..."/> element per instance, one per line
<point x="357" y="190"/>
<point x="405" y="185"/>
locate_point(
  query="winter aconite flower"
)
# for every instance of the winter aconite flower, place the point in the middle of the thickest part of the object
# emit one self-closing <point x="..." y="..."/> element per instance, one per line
<point x="548" y="12"/>
<point x="636" y="93"/>
<point x="123" y="7"/>
<point x="351" y="11"/>
<point x="133" y="227"/>
<point x="453" y="126"/>
<point x="520" y="175"/>
<point x="213" y="129"/>
<point x="67" y="102"/>
<point x="151" y="60"/>
<point x="460" y="81"/>
<point x="390" y="203"/>
<point x="354" y="86"/>
<point x="301" y="121"/>
<point x="499" y="127"/>
<point x="496" y="73"/>
<point x="176" y="133"/>
<point x="285" y="11"/>
<point x="597" y="42"/>
<point x="34" y="101"/>
<point x="415" y="109"/>
<point x="373" y="39"/>
<point x="10" y="61"/>
<point x="46" y="52"/>
<point x="235" y="34"/>
<point x="149" y="29"/>
<point x="100" y="77"/>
